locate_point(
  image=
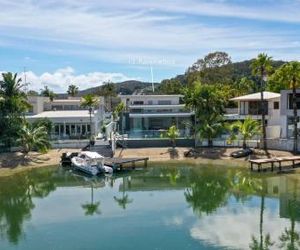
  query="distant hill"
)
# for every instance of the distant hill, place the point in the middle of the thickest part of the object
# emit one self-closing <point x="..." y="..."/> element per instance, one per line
<point x="125" y="88"/>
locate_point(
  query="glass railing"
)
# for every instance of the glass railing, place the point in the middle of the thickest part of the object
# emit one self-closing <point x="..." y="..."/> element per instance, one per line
<point x="149" y="134"/>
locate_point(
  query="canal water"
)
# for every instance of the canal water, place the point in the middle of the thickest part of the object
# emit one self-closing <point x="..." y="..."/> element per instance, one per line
<point x="165" y="207"/>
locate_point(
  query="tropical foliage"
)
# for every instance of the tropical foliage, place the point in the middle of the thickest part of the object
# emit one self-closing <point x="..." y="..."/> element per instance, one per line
<point x="172" y="133"/>
<point x="262" y="67"/>
<point x="207" y="102"/>
<point x="72" y="90"/>
<point x="33" y="138"/>
<point x="48" y="93"/>
<point x="90" y="101"/>
<point x="13" y="105"/>
<point x="247" y="129"/>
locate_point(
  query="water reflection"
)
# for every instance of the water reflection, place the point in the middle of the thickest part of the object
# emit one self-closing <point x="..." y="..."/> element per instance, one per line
<point x="124" y="200"/>
<point x="220" y="207"/>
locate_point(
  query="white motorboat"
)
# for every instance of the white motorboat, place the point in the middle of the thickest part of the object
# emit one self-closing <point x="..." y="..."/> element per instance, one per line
<point x="91" y="163"/>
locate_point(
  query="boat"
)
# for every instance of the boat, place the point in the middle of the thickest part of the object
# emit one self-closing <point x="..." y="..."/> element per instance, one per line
<point x="241" y="153"/>
<point x="91" y="163"/>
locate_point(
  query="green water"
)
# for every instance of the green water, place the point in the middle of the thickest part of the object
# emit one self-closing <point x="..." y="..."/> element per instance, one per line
<point x="159" y="208"/>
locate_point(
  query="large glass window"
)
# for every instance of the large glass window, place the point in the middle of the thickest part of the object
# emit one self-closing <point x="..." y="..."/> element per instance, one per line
<point x="291" y="101"/>
<point x="290" y="126"/>
<point x="255" y="108"/>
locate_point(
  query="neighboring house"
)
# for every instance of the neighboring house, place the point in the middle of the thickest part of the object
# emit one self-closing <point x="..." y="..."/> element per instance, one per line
<point x="148" y="116"/>
<point x="250" y="105"/>
<point x="286" y="112"/>
<point x="70" y="120"/>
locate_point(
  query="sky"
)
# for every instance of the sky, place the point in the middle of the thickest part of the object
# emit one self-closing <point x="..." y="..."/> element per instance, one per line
<point x="59" y="42"/>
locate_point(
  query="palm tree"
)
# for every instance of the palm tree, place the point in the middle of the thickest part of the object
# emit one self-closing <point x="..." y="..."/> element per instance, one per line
<point x="89" y="101"/>
<point x="33" y="138"/>
<point x="124" y="200"/>
<point x="247" y="129"/>
<point x="261" y="67"/>
<point x="289" y="74"/>
<point x="13" y="104"/>
<point x="48" y="93"/>
<point x="72" y="90"/>
<point x="108" y="90"/>
<point x="173" y="134"/>
<point x="91" y="208"/>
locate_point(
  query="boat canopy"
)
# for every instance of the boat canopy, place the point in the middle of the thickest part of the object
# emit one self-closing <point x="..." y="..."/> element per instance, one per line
<point x="91" y="155"/>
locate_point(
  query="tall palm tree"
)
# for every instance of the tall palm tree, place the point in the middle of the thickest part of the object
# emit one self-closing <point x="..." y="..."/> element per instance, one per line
<point x="289" y="74"/>
<point x="72" y="90"/>
<point x="33" y="138"/>
<point x="91" y="208"/>
<point x="13" y="104"/>
<point x="247" y="129"/>
<point x="89" y="101"/>
<point x="108" y="90"/>
<point x="262" y="67"/>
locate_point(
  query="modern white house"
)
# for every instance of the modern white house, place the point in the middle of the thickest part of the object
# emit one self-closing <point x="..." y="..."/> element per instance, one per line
<point x="286" y="113"/>
<point x="70" y="120"/>
<point x="250" y="105"/>
<point x="148" y="116"/>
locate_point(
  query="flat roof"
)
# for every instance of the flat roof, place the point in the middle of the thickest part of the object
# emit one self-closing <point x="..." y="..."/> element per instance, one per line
<point x="154" y="96"/>
<point x="256" y="96"/>
<point x="62" y="113"/>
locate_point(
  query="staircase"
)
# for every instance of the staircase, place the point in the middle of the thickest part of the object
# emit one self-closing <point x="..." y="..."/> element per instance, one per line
<point x="101" y="147"/>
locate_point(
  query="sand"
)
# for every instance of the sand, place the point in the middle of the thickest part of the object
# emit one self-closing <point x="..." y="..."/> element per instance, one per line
<point x="11" y="163"/>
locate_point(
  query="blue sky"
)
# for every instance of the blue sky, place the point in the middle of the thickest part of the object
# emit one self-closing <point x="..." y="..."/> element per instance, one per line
<point x="88" y="42"/>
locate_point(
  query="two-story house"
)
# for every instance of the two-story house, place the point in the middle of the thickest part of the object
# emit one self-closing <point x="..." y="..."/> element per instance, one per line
<point x="148" y="116"/>
<point x="70" y="120"/>
<point x="250" y="105"/>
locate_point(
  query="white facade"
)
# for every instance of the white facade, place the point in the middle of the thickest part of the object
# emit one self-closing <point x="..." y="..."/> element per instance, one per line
<point x="150" y="115"/>
<point x="250" y="105"/>
<point x="70" y="120"/>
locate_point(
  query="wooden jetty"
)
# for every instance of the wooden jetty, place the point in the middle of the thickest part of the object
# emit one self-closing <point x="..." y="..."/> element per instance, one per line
<point x="118" y="163"/>
<point x="272" y="161"/>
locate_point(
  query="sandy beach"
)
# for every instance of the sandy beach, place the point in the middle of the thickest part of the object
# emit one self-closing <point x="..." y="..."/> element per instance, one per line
<point x="11" y="163"/>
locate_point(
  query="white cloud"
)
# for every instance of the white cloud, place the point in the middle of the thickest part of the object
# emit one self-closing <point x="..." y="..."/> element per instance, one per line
<point x="116" y="30"/>
<point x="59" y="80"/>
<point x="233" y="227"/>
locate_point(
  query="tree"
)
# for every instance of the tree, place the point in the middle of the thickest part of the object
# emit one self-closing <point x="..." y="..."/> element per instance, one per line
<point x="212" y="60"/>
<point x="108" y="90"/>
<point x="170" y="87"/>
<point x="173" y="133"/>
<point x="247" y="129"/>
<point x="48" y="93"/>
<point x="72" y="90"/>
<point x="13" y="104"/>
<point x="32" y="93"/>
<point x="90" y="101"/>
<point x="262" y="67"/>
<point x="45" y="122"/>
<point x="289" y="74"/>
<point x="33" y="138"/>
<point x="207" y="102"/>
<point x="118" y="110"/>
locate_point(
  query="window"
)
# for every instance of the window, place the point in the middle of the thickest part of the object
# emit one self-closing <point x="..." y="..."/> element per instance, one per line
<point x="290" y="101"/>
<point x="164" y="102"/>
<point x="138" y="103"/>
<point x="255" y="108"/>
<point x="276" y="105"/>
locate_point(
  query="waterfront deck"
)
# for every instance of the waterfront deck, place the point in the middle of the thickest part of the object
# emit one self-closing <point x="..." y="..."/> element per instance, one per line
<point x="119" y="163"/>
<point x="272" y="161"/>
